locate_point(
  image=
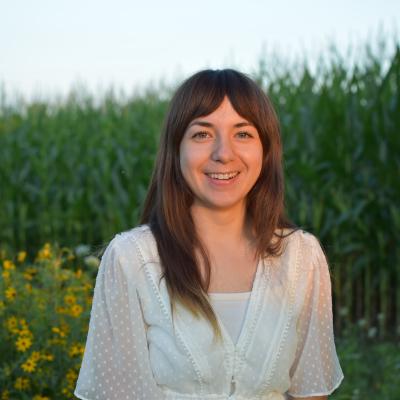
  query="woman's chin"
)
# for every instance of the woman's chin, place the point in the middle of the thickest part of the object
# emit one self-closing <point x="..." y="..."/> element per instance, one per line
<point x="222" y="205"/>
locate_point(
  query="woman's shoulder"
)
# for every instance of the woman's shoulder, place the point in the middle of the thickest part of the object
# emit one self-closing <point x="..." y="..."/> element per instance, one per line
<point x="308" y="240"/>
<point x="297" y="232"/>
<point x="298" y="238"/>
<point x="137" y="232"/>
<point x="309" y="249"/>
<point x="139" y="240"/>
<point x="301" y="251"/>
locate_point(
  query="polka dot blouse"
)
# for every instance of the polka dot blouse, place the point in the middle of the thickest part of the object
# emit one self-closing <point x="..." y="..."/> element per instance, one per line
<point x="136" y="350"/>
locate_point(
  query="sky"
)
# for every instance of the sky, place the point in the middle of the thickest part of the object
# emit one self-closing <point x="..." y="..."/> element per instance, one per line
<point x="48" y="47"/>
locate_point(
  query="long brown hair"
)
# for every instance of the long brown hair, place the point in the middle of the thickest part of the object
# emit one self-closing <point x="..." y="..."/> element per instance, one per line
<point x="167" y="205"/>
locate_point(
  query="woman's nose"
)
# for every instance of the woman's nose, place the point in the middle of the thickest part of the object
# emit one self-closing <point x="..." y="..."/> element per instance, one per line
<point x="223" y="150"/>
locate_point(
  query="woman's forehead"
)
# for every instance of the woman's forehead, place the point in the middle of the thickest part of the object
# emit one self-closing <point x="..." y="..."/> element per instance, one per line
<point x="224" y="109"/>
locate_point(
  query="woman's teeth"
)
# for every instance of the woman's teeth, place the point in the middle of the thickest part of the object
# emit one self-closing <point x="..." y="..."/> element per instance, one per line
<point x="223" y="176"/>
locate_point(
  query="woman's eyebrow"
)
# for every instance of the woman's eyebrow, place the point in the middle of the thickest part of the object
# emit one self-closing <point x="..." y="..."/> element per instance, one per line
<point x="210" y="125"/>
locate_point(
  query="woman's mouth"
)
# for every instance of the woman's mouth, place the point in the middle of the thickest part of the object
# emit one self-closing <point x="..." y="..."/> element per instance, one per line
<point x="222" y="178"/>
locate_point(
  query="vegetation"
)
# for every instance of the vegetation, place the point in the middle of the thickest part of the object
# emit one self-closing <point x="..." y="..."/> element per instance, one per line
<point x="44" y="313"/>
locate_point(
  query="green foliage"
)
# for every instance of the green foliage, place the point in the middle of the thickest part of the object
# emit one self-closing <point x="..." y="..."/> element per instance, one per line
<point x="77" y="171"/>
<point x="44" y="312"/>
<point x="342" y="156"/>
<point x="371" y="367"/>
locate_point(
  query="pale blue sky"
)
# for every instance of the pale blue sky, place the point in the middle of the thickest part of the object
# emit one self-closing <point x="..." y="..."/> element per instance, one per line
<point x="47" y="46"/>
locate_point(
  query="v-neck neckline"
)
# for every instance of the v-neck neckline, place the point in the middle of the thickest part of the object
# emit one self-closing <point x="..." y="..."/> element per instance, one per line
<point x="250" y="315"/>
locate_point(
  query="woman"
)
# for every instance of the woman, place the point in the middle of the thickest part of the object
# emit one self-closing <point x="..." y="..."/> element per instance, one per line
<point x="216" y="295"/>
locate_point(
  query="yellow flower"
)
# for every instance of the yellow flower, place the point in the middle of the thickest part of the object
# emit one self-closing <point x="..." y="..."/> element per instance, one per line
<point x="56" y="329"/>
<point x="28" y="287"/>
<point x="47" y="357"/>
<point x="66" y="392"/>
<point x="69" y="299"/>
<point x="65" y="327"/>
<point x="39" y="397"/>
<point x="18" y="326"/>
<point x="45" y="252"/>
<point x="71" y="376"/>
<point x="11" y="324"/>
<point x="31" y="270"/>
<point x="21" y="256"/>
<point x="6" y="275"/>
<point x="23" y="323"/>
<point x="28" y="275"/>
<point x="25" y="332"/>
<point x="62" y="332"/>
<point x="11" y="293"/>
<point x="78" y="273"/>
<point x="61" y="310"/>
<point x="88" y="301"/>
<point x="76" y="310"/>
<point x="76" y="349"/>
<point x="8" y="265"/>
<point x="21" y="383"/>
<point x="64" y="275"/>
<point x="5" y="395"/>
<point x="36" y="356"/>
<point x="29" y="365"/>
<point x="23" y="343"/>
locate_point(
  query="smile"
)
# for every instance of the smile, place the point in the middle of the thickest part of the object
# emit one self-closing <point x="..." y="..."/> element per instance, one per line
<point x="224" y="176"/>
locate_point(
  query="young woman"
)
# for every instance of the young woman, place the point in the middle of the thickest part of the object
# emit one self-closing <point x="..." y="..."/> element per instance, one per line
<point x="216" y="294"/>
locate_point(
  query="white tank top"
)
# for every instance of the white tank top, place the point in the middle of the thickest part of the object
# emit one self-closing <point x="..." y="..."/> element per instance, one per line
<point x="231" y="308"/>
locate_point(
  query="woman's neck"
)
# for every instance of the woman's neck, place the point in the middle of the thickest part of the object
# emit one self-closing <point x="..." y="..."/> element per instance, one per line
<point x="221" y="227"/>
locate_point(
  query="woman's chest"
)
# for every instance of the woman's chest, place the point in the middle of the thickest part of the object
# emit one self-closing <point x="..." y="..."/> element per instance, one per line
<point x="182" y="349"/>
<point x="231" y="273"/>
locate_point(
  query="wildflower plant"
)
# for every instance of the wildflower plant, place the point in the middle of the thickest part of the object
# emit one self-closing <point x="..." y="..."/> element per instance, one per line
<point x="44" y="310"/>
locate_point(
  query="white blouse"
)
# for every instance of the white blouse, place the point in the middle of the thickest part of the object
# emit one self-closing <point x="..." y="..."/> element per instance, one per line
<point x="136" y="350"/>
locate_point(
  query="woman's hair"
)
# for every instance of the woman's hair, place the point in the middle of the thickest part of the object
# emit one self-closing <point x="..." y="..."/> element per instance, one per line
<point x="167" y="205"/>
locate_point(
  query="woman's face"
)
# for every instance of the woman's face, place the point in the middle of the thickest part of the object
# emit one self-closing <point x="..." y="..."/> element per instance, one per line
<point x="221" y="158"/>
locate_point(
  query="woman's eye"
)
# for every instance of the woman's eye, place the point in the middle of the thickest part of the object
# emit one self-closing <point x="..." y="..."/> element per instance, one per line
<point x="200" y="135"/>
<point x="244" y="134"/>
<point x="204" y="135"/>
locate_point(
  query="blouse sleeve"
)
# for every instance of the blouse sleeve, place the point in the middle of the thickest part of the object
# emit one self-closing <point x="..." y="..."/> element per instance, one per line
<point x="115" y="364"/>
<point x="316" y="370"/>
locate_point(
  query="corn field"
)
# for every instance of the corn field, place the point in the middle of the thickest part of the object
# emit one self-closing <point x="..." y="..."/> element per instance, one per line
<point x="76" y="171"/>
